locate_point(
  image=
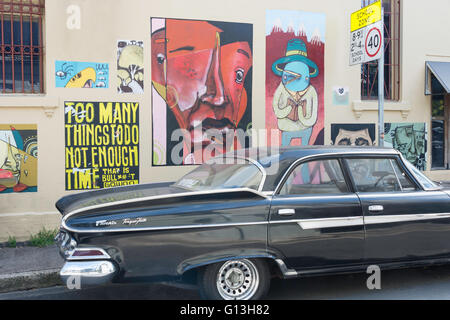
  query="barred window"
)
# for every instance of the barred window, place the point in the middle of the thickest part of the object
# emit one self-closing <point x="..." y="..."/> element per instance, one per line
<point x="21" y="61"/>
<point x="369" y="70"/>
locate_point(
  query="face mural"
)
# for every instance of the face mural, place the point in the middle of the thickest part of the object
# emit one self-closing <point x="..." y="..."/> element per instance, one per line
<point x="18" y="158"/>
<point x="353" y="134"/>
<point x="295" y="76"/>
<point x="410" y="139"/>
<point x="201" y="81"/>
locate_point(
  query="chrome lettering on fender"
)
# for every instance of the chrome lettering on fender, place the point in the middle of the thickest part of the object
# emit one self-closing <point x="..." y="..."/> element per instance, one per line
<point x="105" y="223"/>
<point x="133" y="221"/>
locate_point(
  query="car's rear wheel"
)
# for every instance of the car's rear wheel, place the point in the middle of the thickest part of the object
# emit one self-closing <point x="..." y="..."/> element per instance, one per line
<point x="240" y="279"/>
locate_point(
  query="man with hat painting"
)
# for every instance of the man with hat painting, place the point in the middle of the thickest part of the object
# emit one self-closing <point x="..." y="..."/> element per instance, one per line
<point x="295" y="102"/>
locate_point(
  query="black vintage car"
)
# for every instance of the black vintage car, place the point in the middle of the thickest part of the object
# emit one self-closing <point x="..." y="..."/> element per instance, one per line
<point x="239" y="220"/>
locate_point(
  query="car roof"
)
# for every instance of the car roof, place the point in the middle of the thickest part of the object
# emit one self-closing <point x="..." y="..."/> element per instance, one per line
<point x="261" y="154"/>
<point x="276" y="160"/>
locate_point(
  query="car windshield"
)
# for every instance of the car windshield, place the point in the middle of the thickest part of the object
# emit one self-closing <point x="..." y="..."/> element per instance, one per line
<point x="219" y="174"/>
<point x="426" y="183"/>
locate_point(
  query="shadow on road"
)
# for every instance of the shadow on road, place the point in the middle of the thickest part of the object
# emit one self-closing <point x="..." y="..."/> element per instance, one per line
<point x="418" y="283"/>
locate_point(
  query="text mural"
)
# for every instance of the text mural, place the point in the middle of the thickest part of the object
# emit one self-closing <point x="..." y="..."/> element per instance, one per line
<point x="295" y="46"/>
<point x="102" y="144"/>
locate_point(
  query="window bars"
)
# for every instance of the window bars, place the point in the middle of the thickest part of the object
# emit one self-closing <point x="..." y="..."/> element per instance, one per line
<point x="21" y="64"/>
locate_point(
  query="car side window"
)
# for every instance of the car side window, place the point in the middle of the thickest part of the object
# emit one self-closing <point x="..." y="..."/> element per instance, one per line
<point x="315" y="177"/>
<point x="378" y="175"/>
<point x="405" y="183"/>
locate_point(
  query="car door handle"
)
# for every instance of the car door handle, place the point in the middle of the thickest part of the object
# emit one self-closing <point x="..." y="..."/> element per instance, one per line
<point x="286" y="212"/>
<point x="375" y="208"/>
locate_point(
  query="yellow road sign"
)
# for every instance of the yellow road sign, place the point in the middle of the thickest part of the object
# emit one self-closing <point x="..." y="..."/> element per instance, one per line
<point x="365" y="16"/>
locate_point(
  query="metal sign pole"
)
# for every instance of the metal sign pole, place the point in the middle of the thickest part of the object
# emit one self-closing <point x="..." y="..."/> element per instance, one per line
<point x="381" y="86"/>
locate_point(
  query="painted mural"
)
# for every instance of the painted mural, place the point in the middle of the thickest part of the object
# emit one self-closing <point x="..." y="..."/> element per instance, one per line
<point x="130" y="66"/>
<point x="201" y="88"/>
<point x="101" y="144"/>
<point x="410" y="139"/>
<point x="74" y="74"/>
<point x="18" y="158"/>
<point x="353" y="134"/>
<point x="295" y="46"/>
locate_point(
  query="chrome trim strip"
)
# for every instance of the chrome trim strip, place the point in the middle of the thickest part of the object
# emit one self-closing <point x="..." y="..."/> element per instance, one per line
<point x="103" y="256"/>
<point x="404" y="217"/>
<point x="173" y="195"/>
<point x="331" y="154"/>
<point x="324" y="222"/>
<point x="360" y="220"/>
<point x="331" y="222"/>
<point x="303" y="223"/>
<point x="189" y="226"/>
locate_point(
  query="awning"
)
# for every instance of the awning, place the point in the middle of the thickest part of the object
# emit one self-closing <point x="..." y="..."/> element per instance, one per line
<point x="437" y="77"/>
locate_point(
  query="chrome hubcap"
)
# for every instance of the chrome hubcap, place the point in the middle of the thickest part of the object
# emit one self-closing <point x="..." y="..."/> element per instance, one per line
<point x="237" y="279"/>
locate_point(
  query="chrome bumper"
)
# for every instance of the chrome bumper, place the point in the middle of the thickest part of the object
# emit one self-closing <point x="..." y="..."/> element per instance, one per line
<point x="82" y="273"/>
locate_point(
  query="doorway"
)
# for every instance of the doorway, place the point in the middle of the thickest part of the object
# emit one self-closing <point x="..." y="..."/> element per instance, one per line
<point x="440" y="117"/>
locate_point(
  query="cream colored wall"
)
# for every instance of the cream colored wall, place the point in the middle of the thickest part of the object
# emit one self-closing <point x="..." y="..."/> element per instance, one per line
<point x="103" y="22"/>
<point x="425" y="38"/>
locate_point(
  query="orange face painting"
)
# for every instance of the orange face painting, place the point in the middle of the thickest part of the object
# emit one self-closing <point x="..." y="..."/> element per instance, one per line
<point x="200" y="72"/>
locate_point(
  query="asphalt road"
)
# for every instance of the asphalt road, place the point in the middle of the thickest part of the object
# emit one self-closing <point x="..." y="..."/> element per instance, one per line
<point x="418" y="283"/>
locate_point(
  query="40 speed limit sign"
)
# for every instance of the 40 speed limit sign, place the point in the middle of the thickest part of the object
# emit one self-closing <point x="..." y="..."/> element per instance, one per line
<point x="366" y="34"/>
<point x="365" y="43"/>
<point x="373" y="42"/>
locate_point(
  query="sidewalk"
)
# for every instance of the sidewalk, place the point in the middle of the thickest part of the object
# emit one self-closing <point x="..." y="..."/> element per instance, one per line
<point x="24" y="268"/>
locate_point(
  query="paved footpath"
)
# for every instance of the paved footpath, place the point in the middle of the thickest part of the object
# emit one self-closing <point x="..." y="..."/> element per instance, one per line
<point x="29" y="267"/>
<point x="25" y="259"/>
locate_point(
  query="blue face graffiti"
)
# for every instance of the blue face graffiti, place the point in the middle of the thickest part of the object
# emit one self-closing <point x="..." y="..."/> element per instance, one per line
<point x="296" y="76"/>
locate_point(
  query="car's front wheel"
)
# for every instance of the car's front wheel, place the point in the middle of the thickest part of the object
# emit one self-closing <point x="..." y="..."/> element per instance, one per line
<point x="240" y="279"/>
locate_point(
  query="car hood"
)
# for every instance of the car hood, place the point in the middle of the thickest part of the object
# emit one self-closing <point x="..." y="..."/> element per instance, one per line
<point x="82" y="200"/>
